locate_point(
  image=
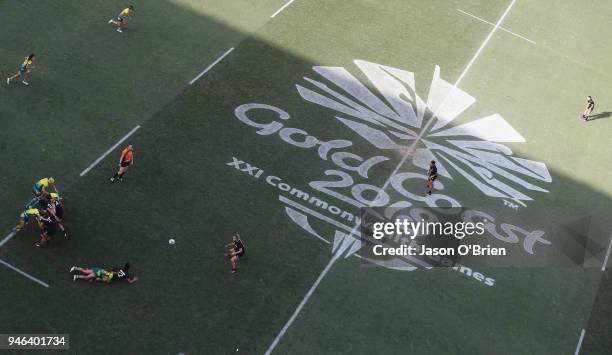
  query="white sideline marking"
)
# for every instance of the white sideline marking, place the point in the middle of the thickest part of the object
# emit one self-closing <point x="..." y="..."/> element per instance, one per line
<point x="386" y="184"/>
<point x="579" y="342"/>
<point x="211" y="66"/>
<point x="7" y="238"/>
<point x="492" y="24"/>
<point x="603" y="266"/>
<point x="23" y="273"/>
<point x="281" y="9"/>
<point x="84" y="172"/>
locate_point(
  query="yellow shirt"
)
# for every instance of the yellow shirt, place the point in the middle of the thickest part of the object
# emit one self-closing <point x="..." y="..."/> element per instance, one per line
<point x="126" y="12"/>
<point x="44" y="182"/>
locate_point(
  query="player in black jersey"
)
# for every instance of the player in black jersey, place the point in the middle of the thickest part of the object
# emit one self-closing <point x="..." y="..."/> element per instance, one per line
<point x="56" y="210"/>
<point x="236" y="251"/>
<point x="432" y="175"/>
<point x="589" y="109"/>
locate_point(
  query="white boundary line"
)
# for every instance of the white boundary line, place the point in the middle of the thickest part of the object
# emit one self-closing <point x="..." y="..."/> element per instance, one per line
<point x="84" y="172"/>
<point x="282" y="8"/>
<point x="24" y="273"/>
<point x="7" y="238"/>
<point x="492" y="24"/>
<point x="603" y="266"/>
<point x="211" y="66"/>
<point x="580" y="342"/>
<point x="386" y="184"/>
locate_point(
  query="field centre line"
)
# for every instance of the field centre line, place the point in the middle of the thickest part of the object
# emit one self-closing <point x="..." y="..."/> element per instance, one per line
<point x="388" y="181"/>
<point x="302" y="304"/>
<point x="23" y="273"/>
<point x="603" y="266"/>
<point x="282" y="8"/>
<point x="84" y="172"/>
<point x="211" y="65"/>
<point x="580" y="342"/>
<point x="492" y="24"/>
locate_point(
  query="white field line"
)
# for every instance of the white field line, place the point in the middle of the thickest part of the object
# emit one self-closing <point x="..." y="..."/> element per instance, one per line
<point x="603" y="266"/>
<point x="492" y="24"/>
<point x="23" y="273"/>
<point x="282" y="8"/>
<point x="84" y="172"/>
<point x="580" y="342"/>
<point x="7" y="238"/>
<point x="211" y="66"/>
<point x="386" y="184"/>
<point x="302" y="304"/>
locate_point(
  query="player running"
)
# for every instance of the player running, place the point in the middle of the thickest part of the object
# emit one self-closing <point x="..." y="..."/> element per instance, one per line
<point x="236" y="251"/>
<point x="126" y="159"/>
<point x="24" y="68"/>
<point x="122" y="18"/>
<point x="99" y="274"/>
<point x="432" y="175"/>
<point x="589" y="109"/>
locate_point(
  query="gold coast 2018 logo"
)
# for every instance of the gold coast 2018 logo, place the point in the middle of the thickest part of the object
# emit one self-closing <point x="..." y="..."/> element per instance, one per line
<point x="396" y="121"/>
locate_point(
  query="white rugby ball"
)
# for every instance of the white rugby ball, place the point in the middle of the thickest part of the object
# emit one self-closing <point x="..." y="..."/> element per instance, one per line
<point x="171" y="241"/>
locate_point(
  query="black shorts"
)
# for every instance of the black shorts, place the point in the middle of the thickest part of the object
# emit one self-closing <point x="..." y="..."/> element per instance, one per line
<point x="50" y="228"/>
<point x="433" y="177"/>
<point x="240" y="255"/>
<point x="59" y="212"/>
<point x="125" y="164"/>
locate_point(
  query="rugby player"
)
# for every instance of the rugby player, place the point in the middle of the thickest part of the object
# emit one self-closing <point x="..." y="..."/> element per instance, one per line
<point x="126" y="159"/>
<point x="432" y="175"/>
<point x="99" y="274"/>
<point x="236" y="251"/>
<point x="122" y="18"/>
<point x="589" y="109"/>
<point x="25" y="68"/>
<point x="56" y="211"/>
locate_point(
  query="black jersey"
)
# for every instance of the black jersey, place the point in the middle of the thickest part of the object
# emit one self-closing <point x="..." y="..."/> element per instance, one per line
<point x="238" y="246"/>
<point x="590" y="104"/>
<point x="433" y="170"/>
<point x="120" y="275"/>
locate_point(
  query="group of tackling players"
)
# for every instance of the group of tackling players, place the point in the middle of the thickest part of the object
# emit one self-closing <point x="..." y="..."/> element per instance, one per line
<point x="46" y="208"/>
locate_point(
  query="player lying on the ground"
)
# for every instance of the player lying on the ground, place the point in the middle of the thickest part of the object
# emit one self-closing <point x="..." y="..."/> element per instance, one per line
<point x="99" y="274"/>
<point x="122" y="18"/>
<point x="25" y="68"/>
<point x="236" y="251"/>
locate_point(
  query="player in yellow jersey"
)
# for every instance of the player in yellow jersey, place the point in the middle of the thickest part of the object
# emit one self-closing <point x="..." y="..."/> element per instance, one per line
<point x="122" y="18"/>
<point x="25" y="216"/>
<point x="25" y="68"/>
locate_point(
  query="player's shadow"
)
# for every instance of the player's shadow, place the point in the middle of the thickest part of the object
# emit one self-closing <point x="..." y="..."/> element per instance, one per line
<point x="600" y="115"/>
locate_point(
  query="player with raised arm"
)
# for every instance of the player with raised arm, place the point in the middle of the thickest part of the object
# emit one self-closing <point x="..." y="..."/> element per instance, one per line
<point x="236" y="251"/>
<point x="126" y="159"/>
